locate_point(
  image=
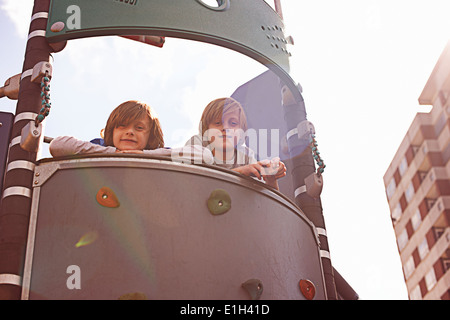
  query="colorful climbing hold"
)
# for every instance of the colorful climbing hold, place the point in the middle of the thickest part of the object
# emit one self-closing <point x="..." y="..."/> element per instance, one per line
<point x="219" y="202"/>
<point x="107" y="198"/>
<point x="307" y="288"/>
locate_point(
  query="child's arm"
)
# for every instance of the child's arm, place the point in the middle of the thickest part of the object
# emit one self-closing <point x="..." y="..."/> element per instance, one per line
<point x="192" y="154"/>
<point x="187" y="154"/>
<point x="69" y="146"/>
<point x="264" y="170"/>
<point x="250" y="170"/>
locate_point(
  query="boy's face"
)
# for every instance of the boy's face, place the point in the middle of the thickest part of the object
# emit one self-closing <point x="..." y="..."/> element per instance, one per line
<point x="222" y="132"/>
<point x="132" y="136"/>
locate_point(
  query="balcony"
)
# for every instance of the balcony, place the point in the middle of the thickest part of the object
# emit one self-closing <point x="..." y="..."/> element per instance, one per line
<point x="433" y="219"/>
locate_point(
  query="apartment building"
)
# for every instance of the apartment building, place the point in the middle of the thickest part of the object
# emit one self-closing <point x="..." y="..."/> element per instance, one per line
<point x="418" y="191"/>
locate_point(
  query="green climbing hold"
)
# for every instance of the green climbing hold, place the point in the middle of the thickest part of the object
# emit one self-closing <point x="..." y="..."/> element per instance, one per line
<point x="254" y="288"/>
<point x="219" y="202"/>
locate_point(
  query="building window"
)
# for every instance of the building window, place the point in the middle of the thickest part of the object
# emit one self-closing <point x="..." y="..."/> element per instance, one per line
<point x="438" y="232"/>
<point x="440" y="124"/>
<point x="422" y="175"/>
<point x="402" y="240"/>
<point x="445" y="264"/>
<point x="430" y="203"/>
<point x="439" y="206"/>
<point x="409" y="193"/>
<point x="424" y="148"/>
<point x="415" y="294"/>
<point x="423" y="249"/>
<point x="403" y="166"/>
<point x="430" y="279"/>
<point x="409" y="267"/>
<point x="390" y="190"/>
<point x="416" y="219"/>
<point x="397" y="212"/>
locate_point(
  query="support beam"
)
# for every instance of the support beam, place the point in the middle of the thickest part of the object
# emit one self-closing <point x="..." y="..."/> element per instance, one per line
<point x="15" y="206"/>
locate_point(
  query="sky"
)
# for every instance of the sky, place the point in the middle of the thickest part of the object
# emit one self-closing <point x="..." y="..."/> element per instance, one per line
<point x="362" y="66"/>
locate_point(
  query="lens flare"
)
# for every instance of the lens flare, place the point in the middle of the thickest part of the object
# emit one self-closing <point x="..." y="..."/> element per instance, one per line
<point x="87" y="239"/>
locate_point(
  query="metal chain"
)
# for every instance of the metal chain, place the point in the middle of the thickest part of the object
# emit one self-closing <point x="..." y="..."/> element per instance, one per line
<point x="45" y="95"/>
<point x="316" y="155"/>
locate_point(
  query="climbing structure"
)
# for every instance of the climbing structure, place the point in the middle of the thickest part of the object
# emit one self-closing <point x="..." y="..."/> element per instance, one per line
<point x="95" y="227"/>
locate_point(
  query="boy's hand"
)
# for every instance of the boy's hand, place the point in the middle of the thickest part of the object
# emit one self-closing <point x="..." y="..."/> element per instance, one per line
<point x="251" y="170"/>
<point x="276" y="171"/>
<point x="273" y="169"/>
<point x="268" y="170"/>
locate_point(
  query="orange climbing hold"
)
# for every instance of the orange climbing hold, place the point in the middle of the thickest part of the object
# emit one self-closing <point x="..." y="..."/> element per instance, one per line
<point x="107" y="198"/>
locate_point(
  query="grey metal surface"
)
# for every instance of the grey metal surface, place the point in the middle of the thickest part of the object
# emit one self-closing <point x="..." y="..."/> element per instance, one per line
<point x="162" y="241"/>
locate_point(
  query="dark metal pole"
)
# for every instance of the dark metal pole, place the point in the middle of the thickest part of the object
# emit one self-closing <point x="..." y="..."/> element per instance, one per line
<point x="303" y="166"/>
<point x="17" y="189"/>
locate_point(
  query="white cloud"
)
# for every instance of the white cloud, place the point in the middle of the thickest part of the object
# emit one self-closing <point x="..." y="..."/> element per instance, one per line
<point x="20" y="14"/>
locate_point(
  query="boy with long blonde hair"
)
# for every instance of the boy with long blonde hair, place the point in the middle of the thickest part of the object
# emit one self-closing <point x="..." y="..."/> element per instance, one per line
<point x="222" y="130"/>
